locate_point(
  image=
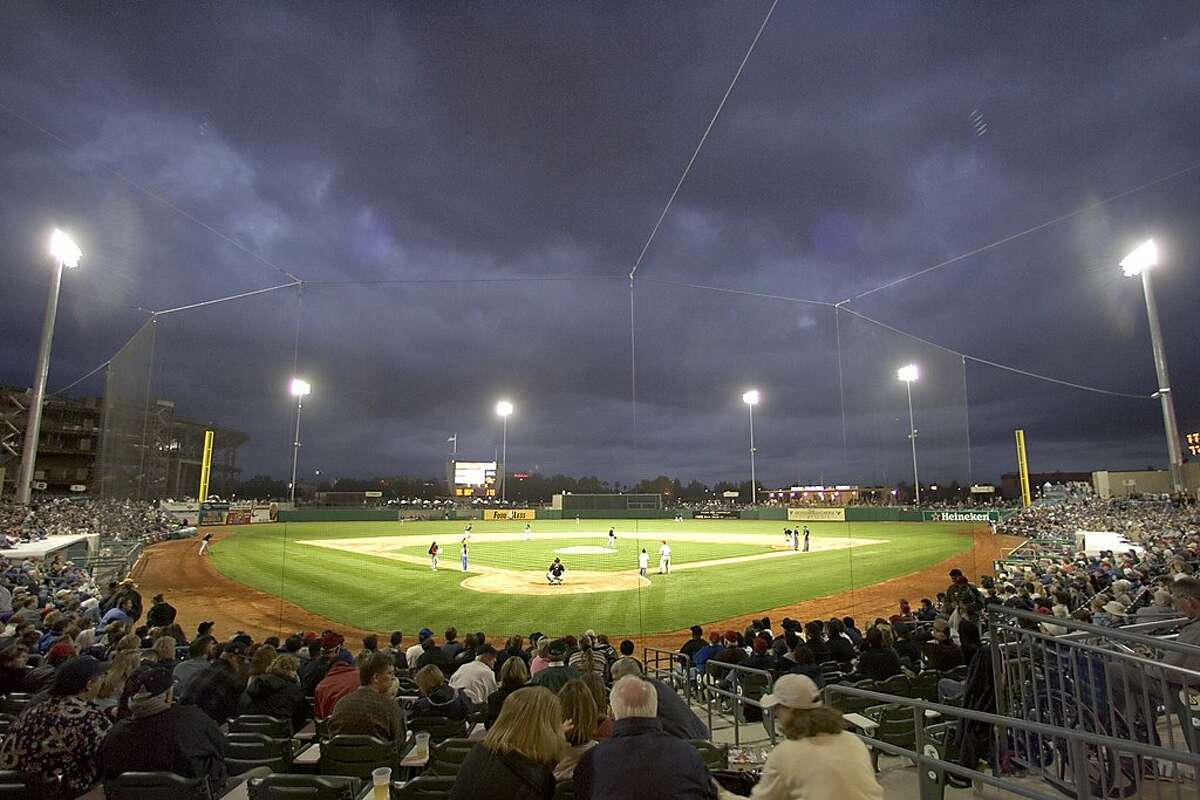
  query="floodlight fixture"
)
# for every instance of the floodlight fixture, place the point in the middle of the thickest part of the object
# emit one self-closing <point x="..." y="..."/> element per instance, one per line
<point x="300" y="388"/>
<point x="908" y="373"/>
<point x="1143" y="257"/>
<point x="64" y="249"/>
<point x="751" y="397"/>
<point x="504" y="408"/>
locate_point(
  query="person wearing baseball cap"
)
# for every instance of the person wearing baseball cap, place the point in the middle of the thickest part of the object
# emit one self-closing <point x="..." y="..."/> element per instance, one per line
<point x="160" y="736"/>
<point x="61" y="735"/>
<point x="819" y="759"/>
<point x="218" y="688"/>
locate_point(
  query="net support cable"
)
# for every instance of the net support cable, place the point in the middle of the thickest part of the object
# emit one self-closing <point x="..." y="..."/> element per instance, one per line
<point x="703" y="139"/>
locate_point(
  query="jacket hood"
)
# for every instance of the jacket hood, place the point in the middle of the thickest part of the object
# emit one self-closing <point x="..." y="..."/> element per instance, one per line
<point x="266" y="685"/>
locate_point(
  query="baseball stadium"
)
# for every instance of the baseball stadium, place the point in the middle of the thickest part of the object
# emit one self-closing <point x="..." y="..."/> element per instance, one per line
<point x="605" y="401"/>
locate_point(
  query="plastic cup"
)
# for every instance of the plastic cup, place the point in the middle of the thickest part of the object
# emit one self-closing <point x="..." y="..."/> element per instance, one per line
<point x="422" y="742"/>
<point x="381" y="780"/>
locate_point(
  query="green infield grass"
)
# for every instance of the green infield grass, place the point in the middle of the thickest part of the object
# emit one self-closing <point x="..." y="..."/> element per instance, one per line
<point x="326" y="570"/>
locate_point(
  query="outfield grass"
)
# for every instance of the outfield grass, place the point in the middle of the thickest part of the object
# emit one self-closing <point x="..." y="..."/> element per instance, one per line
<point x="383" y="594"/>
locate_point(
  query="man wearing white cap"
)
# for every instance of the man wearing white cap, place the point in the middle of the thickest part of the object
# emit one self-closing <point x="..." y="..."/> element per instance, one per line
<point x="819" y="759"/>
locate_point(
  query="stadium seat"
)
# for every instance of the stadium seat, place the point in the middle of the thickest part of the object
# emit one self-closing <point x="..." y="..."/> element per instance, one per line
<point x="426" y="787"/>
<point x="245" y="751"/>
<point x="6" y="722"/>
<point x="751" y="687"/>
<point x="715" y="756"/>
<point x="941" y="743"/>
<point x="259" y="723"/>
<point x="896" y="727"/>
<point x="156" y="786"/>
<point x="439" y="728"/>
<point x="897" y="684"/>
<point x="357" y="756"/>
<point x="925" y="685"/>
<point x="14" y="703"/>
<point x="303" y="787"/>
<point x="20" y="786"/>
<point x="564" y="790"/>
<point x="445" y="758"/>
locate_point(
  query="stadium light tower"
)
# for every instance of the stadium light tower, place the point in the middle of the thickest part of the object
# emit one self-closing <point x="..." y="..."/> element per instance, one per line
<point x="1139" y="262"/>
<point x="504" y="408"/>
<point x="751" y="398"/>
<point x="65" y="254"/>
<point x="908" y="374"/>
<point x="299" y="389"/>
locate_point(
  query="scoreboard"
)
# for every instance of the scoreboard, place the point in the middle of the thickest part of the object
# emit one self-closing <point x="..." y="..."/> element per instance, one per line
<point x="1193" y="443"/>
<point x="473" y="478"/>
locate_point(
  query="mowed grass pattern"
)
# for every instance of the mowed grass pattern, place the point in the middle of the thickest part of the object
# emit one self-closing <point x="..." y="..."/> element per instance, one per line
<point x="383" y="594"/>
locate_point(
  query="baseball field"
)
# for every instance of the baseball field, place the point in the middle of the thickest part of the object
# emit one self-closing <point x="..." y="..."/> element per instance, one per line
<point x="378" y="575"/>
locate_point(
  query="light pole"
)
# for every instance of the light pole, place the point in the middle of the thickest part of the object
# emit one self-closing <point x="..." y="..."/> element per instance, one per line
<point x="299" y="389"/>
<point x="908" y="374"/>
<point x="751" y="399"/>
<point x="1137" y="263"/>
<point x="504" y="408"/>
<point x="66" y="254"/>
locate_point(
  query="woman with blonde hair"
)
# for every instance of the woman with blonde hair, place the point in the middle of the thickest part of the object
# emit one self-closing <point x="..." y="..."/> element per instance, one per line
<point x="513" y="675"/>
<point x="277" y="692"/>
<point x="261" y="661"/>
<point x="579" y="707"/>
<point x="162" y="653"/>
<point x="124" y="663"/>
<point x="819" y="759"/>
<point x="516" y="759"/>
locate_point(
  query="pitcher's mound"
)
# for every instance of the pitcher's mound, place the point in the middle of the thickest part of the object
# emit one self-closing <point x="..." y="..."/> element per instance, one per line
<point x="584" y="550"/>
<point x="535" y="583"/>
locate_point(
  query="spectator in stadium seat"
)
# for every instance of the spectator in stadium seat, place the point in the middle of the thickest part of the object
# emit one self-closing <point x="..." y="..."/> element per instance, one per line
<point x="514" y="647"/>
<point x="799" y="661"/>
<point x="627" y="647"/>
<point x="516" y="759"/>
<point x="60" y="736"/>
<point x="841" y="649"/>
<point x="371" y="709"/>
<point x="396" y="650"/>
<point x="159" y="735"/>
<point x="818" y="757"/>
<point x="557" y="673"/>
<point x="582" y="718"/>
<point x="277" y="693"/>
<point x="710" y="650"/>
<point x="941" y="653"/>
<point x="761" y="657"/>
<point x="878" y="662"/>
<point x="814" y="637"/>
<point x="908" y="649"/>
<point x="641" y="761"/>
<point x="587" y="660"/>
<point x="13" y="659"/>
<point x="314" y="671"/>
<point x="926" y="613"/>
<point x="675" y="716"/>
<point x="185" y="672"/>
<point x="218" y="689"/>
<point x="477" y="680"/>
<point x="438" y="698"/>
<point x="433" y="655"/>
<point x="513" y="676"/>
<point x="452" y="647"/>
<point x="540" y="655"/>
<point x="161" y="614"/>
<point x="856" y="636"/>
<point x="695" y="644"/>
<point x="341" y="680"/>
<point x="413" y="653"/>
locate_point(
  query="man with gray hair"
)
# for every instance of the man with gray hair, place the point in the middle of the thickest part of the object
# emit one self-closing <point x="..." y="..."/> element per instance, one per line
<point x="677" y="719"/>
<point x="640" y="761"/>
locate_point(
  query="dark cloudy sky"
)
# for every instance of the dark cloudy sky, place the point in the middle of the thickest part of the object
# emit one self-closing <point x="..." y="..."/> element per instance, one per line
<point x="420" y="164"/>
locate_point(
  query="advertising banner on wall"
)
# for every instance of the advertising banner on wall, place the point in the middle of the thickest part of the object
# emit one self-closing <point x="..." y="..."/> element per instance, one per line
<point x="213" y="513"/>
<point x="264" y="512"/>
<point x="510" y="513"/>
<point x="186" y="512"/>
<point x="816" y="515"/>
<point x="961" y="516"/>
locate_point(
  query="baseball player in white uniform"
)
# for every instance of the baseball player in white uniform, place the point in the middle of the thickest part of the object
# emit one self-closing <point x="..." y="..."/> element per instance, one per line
<point x="664" y="559"/>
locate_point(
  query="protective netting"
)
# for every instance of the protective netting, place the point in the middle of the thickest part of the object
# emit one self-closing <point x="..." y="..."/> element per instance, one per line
<point x="123" y="445"/>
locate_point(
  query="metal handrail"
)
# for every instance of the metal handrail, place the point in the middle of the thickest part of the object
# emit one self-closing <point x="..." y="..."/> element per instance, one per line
<point x="654" y="669"/>
<point x="1077" y="741"/>
<point x="736" y="698"/>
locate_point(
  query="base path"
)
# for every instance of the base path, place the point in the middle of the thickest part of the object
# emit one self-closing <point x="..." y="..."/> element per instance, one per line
<point x="199" y="592"/>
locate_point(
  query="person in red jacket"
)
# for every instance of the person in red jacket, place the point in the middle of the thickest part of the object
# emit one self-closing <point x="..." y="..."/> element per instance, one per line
<point x="341" y="680"/>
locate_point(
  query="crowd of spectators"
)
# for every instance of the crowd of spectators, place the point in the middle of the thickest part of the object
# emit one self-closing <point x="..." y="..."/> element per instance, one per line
<point x="113" y="520"/>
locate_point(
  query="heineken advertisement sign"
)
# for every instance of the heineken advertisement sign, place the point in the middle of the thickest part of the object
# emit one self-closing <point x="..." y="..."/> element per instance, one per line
<point x="961" y="516"/>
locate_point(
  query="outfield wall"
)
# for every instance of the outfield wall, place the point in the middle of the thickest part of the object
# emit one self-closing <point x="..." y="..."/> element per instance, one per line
<point x="820" y="514"/>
